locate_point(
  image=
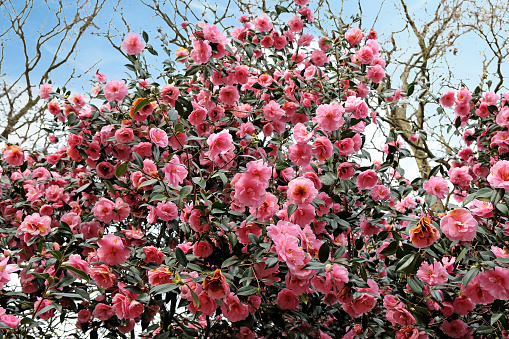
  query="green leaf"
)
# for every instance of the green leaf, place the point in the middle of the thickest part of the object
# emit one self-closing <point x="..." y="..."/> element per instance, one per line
<point x="323" y="252"/>
<point x="57" y="254"/>
<point x="364" y="275"/>
<point x="495" y="317"/>
<point x="291" y="208"/>
<point x="414" y="285"/>
<point x="138" y="159"/>
<point x="328" y="179"/>
<point x="158" y="197"/>
<point x="148" y="183"/>
<point x="391" y="248"/>
<point x="405" y="262"/>
<point x="484" y="329"/>
<point x="45" y="309"/>
<point x="109" y="186"/>
<point x="145" y="36"/>
<point x="503" y="209"/>
<point x="184" y="192"/>
<point x="470" y="275"/>
<point x="140" y="105"/>
<point x="134" y="289"/>
<point x="68" y="295"/>
<point x="193" y="70"/>
<point x="229" y="262"/>
<point x="410" y="89"/>
<point x="497" y="195"/>
<point x="121" y="169"/>
<point x="164" y="288"/>
<point x="84" y="187"/>
<point x="200" y="182"/>
<point x="181" y="257"/>
<point x="78" y="272"/>
<point x="461" y="255"/>
<point x="247" y="290"/>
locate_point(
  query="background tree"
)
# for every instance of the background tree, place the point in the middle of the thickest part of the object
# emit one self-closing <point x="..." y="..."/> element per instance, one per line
<point x="41" y="45"/>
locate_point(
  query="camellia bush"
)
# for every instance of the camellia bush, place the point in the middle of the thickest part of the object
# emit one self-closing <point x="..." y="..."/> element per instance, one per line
<point x="232" y="196"/>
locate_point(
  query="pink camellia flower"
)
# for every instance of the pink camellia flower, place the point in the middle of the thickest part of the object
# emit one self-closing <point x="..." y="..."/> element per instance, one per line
<point x="174" y="172"/>
<point x="14" y="155"/>
<point x="460" y="176"/>
<point x="367" y="179"/>
<point x="499" y="175"/>
<point x="219" y="143"/>
<point x="10" y="320"/>
<point x="44" y="90"/>
<point x="34" y="225"/>
<point x="216" y="286"/>
<point x="300" y="154"/>
<point x="301" y="191"/>
<point x="201" y="52"/>
<point x="102" y="276"/>
<point x="483" y="209"/>
<point x="158" y="137"/>
<point x="40" y="304"/>
<point x="354" y="36"/>
<point x="322" y="148"/>
<point x="104" y="210"/>
<point x="400" y="315"/>
<point x="496" y="281"/>
<point x="448" y="98"/>
<point x="167" y="211"/>
<point x="300" y="134"/>
<point x="249" y="192"/>
<point x="263" y="23"/>
<point x="267" y="209"/>
<point x="84" y="316"/>
<point x="329" y="117"/>
<point x="76" y="262"/>
<point x="170" y="93"/>
<point x="380" y="193"/>
<point x="153" y="254"/>
<point x="105" y="170"/>
<point x="455" y="329"/>
<point x="463" y="96"/>
<point x="229" y="95"/>
<point x="287" y="299"/>
<point x="6" y="270"/>
<point x="115" y="90"/>
<point x="132" y="44"/>
<point x="160" y="276"/>
<point x="345" y="171"/>
<point x="365" y="55"/>
<point x="463" y="305"/>
<point x="436" y="186"/>
<point x="295" y="24"/>
<point x="360" y="305"/>
<point x="477" y="293"/>
<point x="112" y="250"/>
<point x="376" y="73"/>
<point x="233" y="310"/>
<point x="77" y="99"/>
<point x="459" y="224"/>
<point x="273" y="111"/>
<point x="202" y="249"/>
<point x="124" y="135"/>
<point x="54" y="108"/>
<point x="434" y="275"/>
<point x="103" y="312"/>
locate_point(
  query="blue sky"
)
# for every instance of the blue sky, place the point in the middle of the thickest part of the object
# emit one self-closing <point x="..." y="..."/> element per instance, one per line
<point x="95" y="49"/>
